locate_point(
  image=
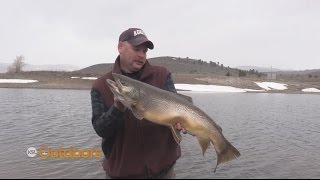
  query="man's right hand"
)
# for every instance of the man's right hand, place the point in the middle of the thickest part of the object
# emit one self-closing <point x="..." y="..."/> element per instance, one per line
<point x="179" y="127"/>
<point x="119" y="105"/>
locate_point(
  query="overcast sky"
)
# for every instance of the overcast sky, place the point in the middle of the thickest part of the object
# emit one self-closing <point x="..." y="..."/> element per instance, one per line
<point x="278" y="33"/>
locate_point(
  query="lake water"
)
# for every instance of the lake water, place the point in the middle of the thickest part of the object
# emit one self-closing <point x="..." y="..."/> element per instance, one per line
<point x="278" y="135"/>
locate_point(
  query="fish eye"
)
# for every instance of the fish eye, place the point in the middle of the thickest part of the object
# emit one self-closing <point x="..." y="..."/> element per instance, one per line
<point x="123" y="83"/>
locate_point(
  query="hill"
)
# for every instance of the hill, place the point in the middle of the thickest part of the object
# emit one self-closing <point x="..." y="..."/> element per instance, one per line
<point x="184" y="70"/>
<point x="97" y="69"/>
<point x="179" y="65"/>
<point x="262" y="69"/>
<point x="175" y="65"/>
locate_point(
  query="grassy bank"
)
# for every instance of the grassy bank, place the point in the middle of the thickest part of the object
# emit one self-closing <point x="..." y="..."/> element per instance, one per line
<point x="64" y="80"/>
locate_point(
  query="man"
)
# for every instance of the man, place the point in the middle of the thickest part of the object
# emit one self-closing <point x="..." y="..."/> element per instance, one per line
<point x="133" y="148"/>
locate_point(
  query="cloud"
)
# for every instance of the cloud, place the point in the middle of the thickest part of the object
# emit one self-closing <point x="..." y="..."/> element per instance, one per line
<point x="282" y="33"/>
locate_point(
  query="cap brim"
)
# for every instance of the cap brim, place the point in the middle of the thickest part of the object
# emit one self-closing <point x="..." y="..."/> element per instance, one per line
<point x="141" y="40"/>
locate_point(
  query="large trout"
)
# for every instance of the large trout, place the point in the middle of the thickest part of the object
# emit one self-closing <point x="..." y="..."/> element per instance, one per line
<point x="168" y="108"/>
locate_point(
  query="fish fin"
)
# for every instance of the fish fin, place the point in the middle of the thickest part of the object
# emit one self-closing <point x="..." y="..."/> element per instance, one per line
<point x="188" y="98"/>
<point x="204" y="143"/>
<point x="137" y="113"/>
<point x="176" y="134"/>
<point x="227" y="154"/>
<point x="218" y="127"/>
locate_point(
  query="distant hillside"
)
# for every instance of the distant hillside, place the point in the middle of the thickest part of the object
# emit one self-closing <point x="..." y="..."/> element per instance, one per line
<point x="175" y="65"/>
<point x="302" y="76"/>
<point x="97" y="69"/>
<point x="189" y="66"/>
<point x="50" y="67"/>
<point x="261" y="69"/>
<point x="46" y="67"/>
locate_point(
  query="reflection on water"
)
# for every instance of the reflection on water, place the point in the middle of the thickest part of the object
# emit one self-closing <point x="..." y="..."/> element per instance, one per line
<point x="276" y="134"/>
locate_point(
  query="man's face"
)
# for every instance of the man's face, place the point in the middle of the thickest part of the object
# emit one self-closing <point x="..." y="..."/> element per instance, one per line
<point x="132" y="58"/>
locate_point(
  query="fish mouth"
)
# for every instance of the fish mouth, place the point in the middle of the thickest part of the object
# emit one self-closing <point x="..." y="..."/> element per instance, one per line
<point x="117" y="80"/>
<point x="119" y="84"/>
<point x="113" y="86"/>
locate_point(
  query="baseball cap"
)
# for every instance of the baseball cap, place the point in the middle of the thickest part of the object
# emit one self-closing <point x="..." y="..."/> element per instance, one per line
<point x="135" y="37"/>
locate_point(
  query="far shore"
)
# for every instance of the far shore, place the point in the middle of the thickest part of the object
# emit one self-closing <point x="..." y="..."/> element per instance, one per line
<point x="66" y="80"/>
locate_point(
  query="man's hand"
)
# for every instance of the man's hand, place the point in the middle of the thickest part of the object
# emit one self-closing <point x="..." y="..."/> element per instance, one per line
<point x="179" y="127"/>
<point x="119" y="105"/>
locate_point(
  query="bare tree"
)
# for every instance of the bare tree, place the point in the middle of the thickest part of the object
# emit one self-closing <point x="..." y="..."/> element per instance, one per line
<point x="17" y="65"/>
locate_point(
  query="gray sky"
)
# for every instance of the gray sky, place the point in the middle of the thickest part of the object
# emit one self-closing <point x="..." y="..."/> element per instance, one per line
<point x="278" y="33"/>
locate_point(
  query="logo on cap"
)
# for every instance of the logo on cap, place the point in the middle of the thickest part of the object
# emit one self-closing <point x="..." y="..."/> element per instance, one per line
<point x="137" y="32"/>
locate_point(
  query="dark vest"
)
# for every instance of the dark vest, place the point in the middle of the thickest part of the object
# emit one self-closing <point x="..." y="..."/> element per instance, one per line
<point x="141" y="148"/>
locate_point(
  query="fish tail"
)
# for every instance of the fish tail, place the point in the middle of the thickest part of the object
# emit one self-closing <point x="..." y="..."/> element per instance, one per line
<point x="227" y="154"/>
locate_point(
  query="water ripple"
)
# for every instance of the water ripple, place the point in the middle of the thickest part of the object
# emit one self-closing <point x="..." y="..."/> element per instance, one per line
<point x="276" y="134"/>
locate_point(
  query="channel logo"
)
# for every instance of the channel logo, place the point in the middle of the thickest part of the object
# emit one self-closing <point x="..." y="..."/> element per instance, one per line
<point x="45" y="152"/>
<point x="32" y="152"/>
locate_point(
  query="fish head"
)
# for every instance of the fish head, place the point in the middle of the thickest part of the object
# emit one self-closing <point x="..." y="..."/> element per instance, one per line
<point x="124" y="89"/>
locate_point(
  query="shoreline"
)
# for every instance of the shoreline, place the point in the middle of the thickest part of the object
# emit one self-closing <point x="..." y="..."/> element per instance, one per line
<point x="88" y="88"/>
<point x="178" y="90"/>
<point x="64" y="80"/>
